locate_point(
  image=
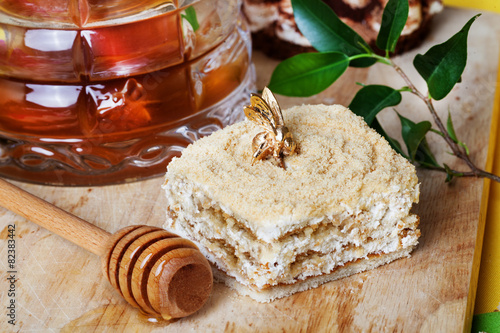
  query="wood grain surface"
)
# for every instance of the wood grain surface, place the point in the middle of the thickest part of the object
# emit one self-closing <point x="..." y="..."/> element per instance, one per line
<point x="60" y="286"/>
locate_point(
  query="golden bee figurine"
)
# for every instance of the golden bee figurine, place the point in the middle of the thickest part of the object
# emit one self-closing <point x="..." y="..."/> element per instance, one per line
<point x="276" y="139"/>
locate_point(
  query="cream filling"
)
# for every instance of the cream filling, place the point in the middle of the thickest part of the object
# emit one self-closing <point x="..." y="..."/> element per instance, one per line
<point x="356" y="4"/>
<point x="316" y="248"/>
<point x="256" y="274"/>
<point x="380" y="208"/>
<point x="435" y="7"/>
<point x="286" y="29"/>
<point x="260" y="16"/>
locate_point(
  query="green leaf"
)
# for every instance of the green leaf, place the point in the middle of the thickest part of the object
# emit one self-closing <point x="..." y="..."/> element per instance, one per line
<point x="486" y="322"/>
<point x="190" y="16"/>
<point x="307" y="74"/>
<point x="425" y="157"/>
<point x="327" y="33"/>
<point x="413" y="134"/>
<point x="451" y="132"/>
<point x="372" y="99"/>
<point x="405" y="89"/>
<point x="450" y="174"/>
<point x="443" y="65"/>
<point x="450" y="128"/>
<point x="392" y="142"/>
<point x="464" y="146"/>
<point x="393" y="21"/>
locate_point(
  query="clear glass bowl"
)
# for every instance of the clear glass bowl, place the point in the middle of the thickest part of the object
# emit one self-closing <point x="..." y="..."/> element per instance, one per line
<point x="96" y="92"/>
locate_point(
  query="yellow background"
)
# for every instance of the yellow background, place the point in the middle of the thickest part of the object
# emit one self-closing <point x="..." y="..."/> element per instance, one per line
<point x="491" y="5"/>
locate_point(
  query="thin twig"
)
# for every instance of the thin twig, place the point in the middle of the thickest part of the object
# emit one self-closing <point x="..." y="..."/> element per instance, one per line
<point x="457" y="150"/>
<point x="455" y="173"/>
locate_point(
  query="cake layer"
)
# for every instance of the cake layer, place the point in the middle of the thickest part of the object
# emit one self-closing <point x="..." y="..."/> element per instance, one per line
<point x="343" y="168"/>
<point x="284" y="290"/>
<point x="309" y="252"/>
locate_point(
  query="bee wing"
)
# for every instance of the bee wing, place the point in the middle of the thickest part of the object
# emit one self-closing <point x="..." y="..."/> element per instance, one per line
<point x="272" y="102"/>
<point x="260" y="113"/>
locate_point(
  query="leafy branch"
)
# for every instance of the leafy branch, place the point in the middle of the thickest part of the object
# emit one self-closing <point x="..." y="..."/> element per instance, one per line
<point x="339" y="47"/>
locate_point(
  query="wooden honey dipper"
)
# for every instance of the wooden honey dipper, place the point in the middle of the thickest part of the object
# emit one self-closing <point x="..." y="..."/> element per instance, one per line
<point x="156" y="271"/>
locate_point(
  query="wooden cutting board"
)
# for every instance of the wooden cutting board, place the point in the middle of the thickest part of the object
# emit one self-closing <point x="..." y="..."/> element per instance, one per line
<point x="60" y="287"/>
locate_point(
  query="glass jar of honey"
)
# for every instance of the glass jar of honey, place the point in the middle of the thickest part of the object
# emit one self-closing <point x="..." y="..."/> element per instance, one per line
<point x="100" y="92"/>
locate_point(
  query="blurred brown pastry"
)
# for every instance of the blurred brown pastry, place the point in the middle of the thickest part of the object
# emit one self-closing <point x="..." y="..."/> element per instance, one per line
<point x="275" y="33"/>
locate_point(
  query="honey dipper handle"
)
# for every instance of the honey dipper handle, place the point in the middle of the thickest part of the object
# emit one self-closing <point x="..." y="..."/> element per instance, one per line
<point x="52" y="218"/>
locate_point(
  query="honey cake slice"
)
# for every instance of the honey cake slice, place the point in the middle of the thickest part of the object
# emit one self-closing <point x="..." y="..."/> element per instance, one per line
<point x="341" y="205"/>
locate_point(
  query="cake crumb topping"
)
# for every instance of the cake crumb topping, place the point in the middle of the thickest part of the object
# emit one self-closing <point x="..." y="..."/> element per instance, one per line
<point x="341" y="165"/>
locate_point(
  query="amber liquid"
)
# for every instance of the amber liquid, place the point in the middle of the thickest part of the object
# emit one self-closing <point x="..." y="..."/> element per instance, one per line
<point x="114" y="103"/>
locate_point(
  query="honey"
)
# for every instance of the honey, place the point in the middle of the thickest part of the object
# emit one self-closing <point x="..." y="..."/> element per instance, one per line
<point x="111" y="93"/>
